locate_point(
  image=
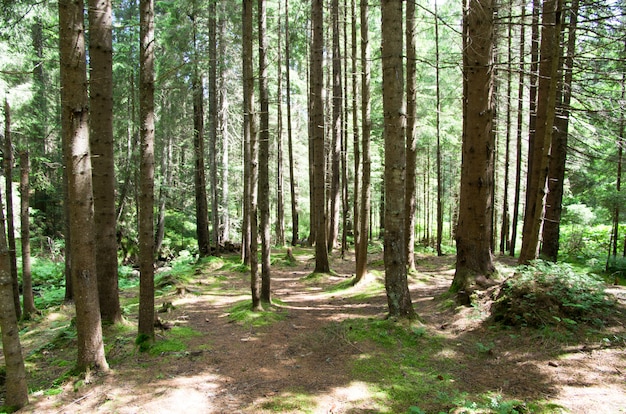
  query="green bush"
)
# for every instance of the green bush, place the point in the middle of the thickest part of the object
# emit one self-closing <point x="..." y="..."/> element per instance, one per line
<point x="545" y="293"/>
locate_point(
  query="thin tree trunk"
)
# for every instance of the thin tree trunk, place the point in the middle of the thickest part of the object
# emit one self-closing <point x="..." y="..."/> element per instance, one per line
<point x="16" y="386"/>
<point x="280" y="199"/>
<point x="102" y="150"/>
<point x="316" y="127"/>
<point x="504" y="229"/>
<point x="336" y="131"/>
<point x="10" y="234"/>
<point x="213" y="125"/>
<point x="202" y="208"/>
<point x="411" y="133"/>
<point x="292" y="180"/>
<point x="363" y="230"/>
<point x="223" y="122"/>
<point x="27" y="280"/>
<point x="251" y="150"/>
<point x="438" y="127"/>
<point x="356" y="218"/>
<point x="166" y="173"/>
<point x="396" y="285"/>
<point x="520" y="117"/>
<point x="264" y="157"/>
<point x="546" y="109"/>
<point x="146" y="182"/>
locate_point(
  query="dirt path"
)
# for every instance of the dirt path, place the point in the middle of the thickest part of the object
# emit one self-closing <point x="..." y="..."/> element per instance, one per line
<point x="302" y="362"/>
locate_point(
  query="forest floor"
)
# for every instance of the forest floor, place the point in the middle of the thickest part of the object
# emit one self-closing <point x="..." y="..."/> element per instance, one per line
<point x="307" y="360"/>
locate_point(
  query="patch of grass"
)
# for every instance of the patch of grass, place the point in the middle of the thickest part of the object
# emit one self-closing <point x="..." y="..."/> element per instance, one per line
<point x="176" y="341"/>
<point x="296" y="400"/>
<point x="242" y="313"/>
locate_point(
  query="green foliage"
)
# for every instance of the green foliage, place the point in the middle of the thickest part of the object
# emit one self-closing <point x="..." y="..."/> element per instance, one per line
<point x="48" y="282"/>
<point x="242" y="313"/>
<point x="544" y="293"/>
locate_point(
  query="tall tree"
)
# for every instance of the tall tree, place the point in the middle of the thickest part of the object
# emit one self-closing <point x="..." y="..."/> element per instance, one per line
<point x="558" y="150"/>
<point x="250" y="155"/>
<point x="264" y="156"/>
<point x="438" y="124"/>
<point x="473" y="236"/>
<point x="362" y="235"/>
<point x="213" y="123"/>
<point x="28" y="301"/>
<point x="75" y="128"/>
<point x="146" y="180"/>
<point x="249" y="134"/>
<point x="542" y="139"/>
<point x="411" y="132"/>
<point x="336" y="130"/>
<point x="519" y="132"/>
<point x="16" y="386"/>
<point x="202" y="209"/>
<point x="292" y="179"/>
<point x="102" y="150"/>
<point x="280" y="202"/>
<point x="396" y="285"/>
<point x="8" y="175"/>
<point x="316" y="129"/>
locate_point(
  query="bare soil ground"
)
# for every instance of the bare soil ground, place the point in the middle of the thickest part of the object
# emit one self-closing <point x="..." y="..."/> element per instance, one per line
<point x="231" y="368"/>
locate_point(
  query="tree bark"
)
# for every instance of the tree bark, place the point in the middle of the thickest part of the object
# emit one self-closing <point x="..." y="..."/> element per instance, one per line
<point x="146" y="197"/>
<point x="396" y="285"/>
<point x="558" y="151"/>
<point x="103" y="162"/>
<point x="336" y="130"/>
<point x="366" y="126"/>
<point x="10" y="234"/>
<point x="75" y="128"/>
<point x="16" y="386"/>
<point x="316" y="128"/>
<point x="520" y="123"/>
<point x="27" y="280"/>
<point x="540" y="147"/>
<point x="213" y="126"/>
<point x="473" y="236"/>
<point x="411" y="133"/>
<point x="264" y="157"/>
<point x="202" y="208"/>
<point x="292" y="180"/>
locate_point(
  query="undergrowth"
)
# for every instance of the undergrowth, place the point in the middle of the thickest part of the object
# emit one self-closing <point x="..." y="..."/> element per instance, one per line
<point x="544" y="294"/>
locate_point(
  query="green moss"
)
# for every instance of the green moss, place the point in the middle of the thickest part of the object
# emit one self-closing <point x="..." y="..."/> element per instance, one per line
<point x="243" y="314"/>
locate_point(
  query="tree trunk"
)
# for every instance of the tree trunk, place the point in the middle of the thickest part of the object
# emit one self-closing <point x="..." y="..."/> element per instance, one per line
<point x="251" y="147"/>
<point x="438" y="127"/>
<point x="10" y="234"/>
<point x="102" y="150"/>
<point x="223" y="122"/>
<point x="249" y="131"/>
<point x="280" y="197"/>
<point x="398" y="296"/>
<point x="146" y="181"/>
<point x="520" y="123"/>
<point x="213" y="125"/>
<point x="411" y="133"/>
<point x="473" y="235"/>
<point x="202" y="208"/>
<point x="27" y="281"/>
<point x="540" y="147"/>
<point x="366" y="126"/>
<point x="316" y="128"/>
<point x="75" y="128"/>
<point x="558" y="151"/>
<point x="292" y="180"/>
<point x="264" y="157"/>
<point x="504" y="229"/>
<point x="355" y="128"/>
<point x="16" y="387"/>
<point x="336" y="131"/>
<point x="166" y="183"/>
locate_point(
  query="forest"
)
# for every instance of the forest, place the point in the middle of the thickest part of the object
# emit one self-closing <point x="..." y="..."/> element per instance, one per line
<point x="324" y="206"/>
